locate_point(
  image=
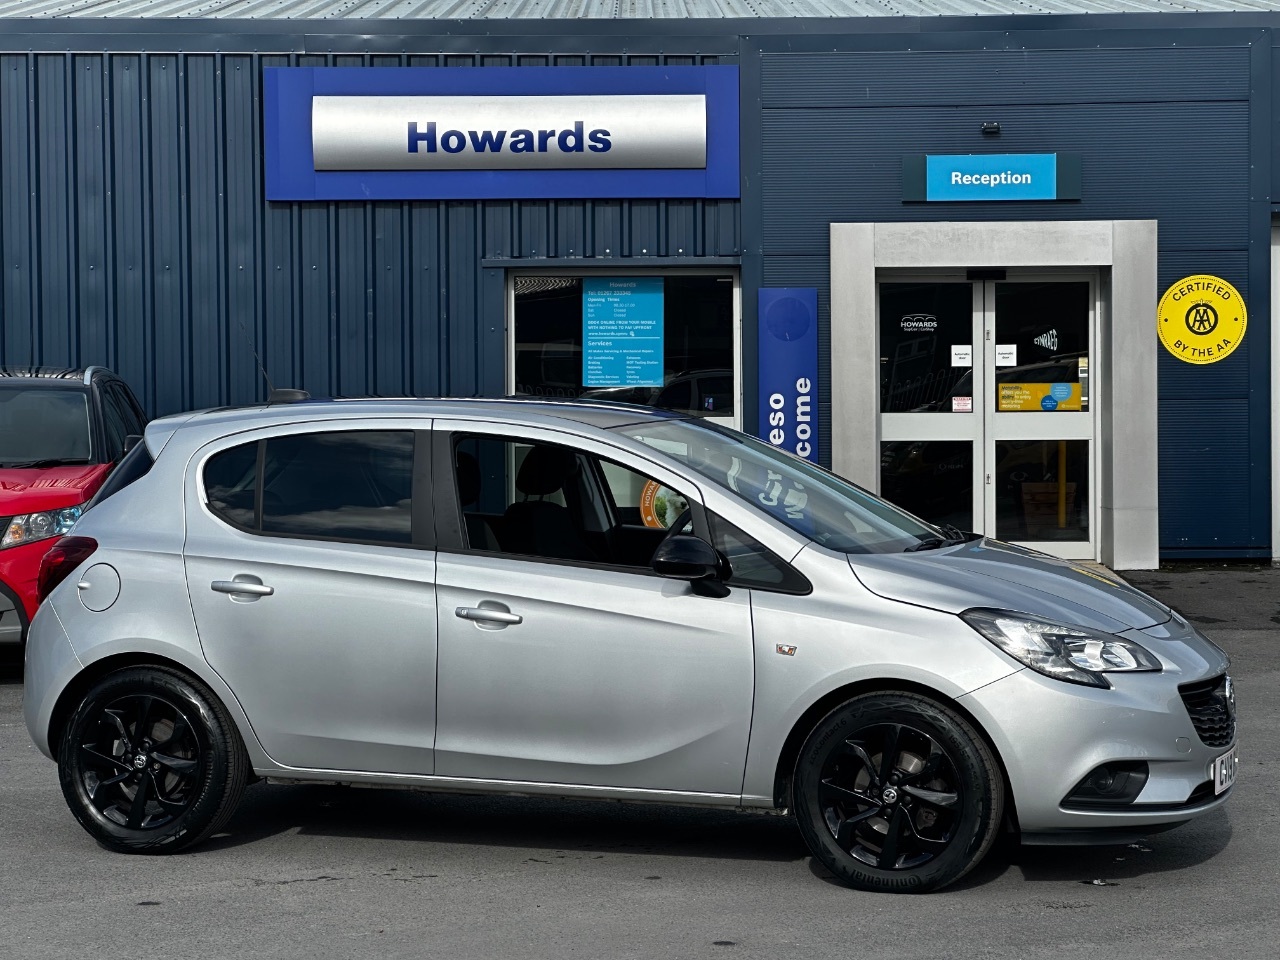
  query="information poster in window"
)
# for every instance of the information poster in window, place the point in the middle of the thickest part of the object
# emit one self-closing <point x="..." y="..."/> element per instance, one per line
<point x="622" y="335"/>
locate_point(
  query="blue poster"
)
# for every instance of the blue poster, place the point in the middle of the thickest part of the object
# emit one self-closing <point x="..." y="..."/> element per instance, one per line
<point x="788" y="365"/>
<point x="622" y="332"/>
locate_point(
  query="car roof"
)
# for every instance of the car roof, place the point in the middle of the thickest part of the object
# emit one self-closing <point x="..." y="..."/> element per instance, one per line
<point x="80" y="375"/>
<point x="600" y="414"/>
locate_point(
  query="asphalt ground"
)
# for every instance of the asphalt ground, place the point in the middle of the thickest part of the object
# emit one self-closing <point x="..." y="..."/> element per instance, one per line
<point x="332" y="872"/>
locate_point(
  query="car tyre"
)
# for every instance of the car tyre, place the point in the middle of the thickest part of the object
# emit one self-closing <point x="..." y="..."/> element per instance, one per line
<point x="150" y="762"/>
<point x="895" y="792"/>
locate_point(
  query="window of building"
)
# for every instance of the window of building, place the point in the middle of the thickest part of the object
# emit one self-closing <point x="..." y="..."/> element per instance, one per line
<point x="660" y="340"/>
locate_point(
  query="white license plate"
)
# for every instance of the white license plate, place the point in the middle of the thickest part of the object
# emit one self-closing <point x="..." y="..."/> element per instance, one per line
<point x="1224" y="771"/>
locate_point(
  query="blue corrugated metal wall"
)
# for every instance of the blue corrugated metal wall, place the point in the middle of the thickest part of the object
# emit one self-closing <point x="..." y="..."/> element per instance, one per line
<point x="1171" y="131"/>
<point x="134" y="233"/>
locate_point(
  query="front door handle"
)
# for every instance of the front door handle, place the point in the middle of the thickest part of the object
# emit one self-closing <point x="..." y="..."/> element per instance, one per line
<point x="243" y="588"/>
<point x="488" y="615"/>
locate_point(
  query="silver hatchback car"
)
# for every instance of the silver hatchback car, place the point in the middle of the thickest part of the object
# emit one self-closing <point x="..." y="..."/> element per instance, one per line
<point x="598" y="600"/>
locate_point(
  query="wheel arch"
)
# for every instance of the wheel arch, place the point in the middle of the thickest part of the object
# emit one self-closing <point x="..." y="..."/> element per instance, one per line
<point x="74" y="692"/>
<point x="833" y="699"/>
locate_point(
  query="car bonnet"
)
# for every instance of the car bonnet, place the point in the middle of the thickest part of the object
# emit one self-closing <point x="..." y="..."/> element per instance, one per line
<point x="988" y="573"/>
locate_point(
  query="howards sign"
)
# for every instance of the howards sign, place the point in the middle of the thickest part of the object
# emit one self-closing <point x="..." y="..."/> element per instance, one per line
<point x="535" y="132"/>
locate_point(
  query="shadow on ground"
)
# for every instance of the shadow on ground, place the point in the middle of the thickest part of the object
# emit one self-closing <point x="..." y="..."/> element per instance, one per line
<point x="577" y="829"/>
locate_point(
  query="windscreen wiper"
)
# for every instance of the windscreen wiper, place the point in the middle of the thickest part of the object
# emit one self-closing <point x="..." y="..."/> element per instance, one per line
<point x="47" y="462"/>
<point x="953" y="539"/>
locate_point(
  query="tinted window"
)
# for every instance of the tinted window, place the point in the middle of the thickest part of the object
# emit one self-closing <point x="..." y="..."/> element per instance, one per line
<point x="555" y="503"/>
<point x="230" y="483"/>
<point x="134" y="422"/>
<point x="115" y="424"/>
<point x="811" y="501"/>
<point x="752" y="563"/>
<point x="40" y="423"/>
<point x="351" y="485"/>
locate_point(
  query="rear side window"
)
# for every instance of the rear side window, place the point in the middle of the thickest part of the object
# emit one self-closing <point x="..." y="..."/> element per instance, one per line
<point x="230" y="484"/>
<point x="353" y="485"/>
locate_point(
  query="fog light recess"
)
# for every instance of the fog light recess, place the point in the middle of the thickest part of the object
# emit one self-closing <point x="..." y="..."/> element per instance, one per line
<point x="1110" y="785"/>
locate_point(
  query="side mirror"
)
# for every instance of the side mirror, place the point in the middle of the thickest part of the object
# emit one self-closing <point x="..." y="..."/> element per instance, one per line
<point x="682" y="557"/>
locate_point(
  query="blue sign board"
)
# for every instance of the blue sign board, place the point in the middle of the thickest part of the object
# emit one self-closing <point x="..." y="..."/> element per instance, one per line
<point x="531" y="165"/>
<point x="991" y="177"/>
<point x="788" y="368"/>
<point x="994" y="176"/>
<point x="622" y="332"/>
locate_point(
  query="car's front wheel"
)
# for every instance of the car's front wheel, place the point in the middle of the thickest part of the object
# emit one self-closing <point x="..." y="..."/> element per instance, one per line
<point x="150" y="762"/>
<point x="896" y="792"/>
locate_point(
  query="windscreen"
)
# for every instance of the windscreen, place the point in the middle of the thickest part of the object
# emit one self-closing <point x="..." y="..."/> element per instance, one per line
<point x="808" y="499"/>
<point x="42" y="426"/>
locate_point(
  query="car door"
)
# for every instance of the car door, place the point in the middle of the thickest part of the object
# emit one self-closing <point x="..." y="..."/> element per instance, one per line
<point x="312" y="578"/>
<point x="563" y="657"/>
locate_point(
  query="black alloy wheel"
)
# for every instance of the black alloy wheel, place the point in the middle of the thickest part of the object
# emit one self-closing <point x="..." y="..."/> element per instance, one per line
<point x="150" y="762"/>
<point x="897" y="792"/>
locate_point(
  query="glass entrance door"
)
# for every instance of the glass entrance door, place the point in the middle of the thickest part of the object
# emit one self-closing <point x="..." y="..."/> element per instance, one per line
<point x="985" y="407"/>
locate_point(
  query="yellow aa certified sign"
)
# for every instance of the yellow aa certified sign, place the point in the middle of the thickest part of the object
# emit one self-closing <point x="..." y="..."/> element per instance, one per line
<point x="1202" y="319"/>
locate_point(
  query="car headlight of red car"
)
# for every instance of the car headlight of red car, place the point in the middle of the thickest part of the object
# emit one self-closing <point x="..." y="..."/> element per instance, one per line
<point x="30" y="527"/>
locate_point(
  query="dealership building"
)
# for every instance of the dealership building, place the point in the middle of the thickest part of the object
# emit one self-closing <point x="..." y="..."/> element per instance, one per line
<point x="1007" y="262"/>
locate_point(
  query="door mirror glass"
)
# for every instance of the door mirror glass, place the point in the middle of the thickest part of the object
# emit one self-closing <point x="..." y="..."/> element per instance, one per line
<point x="682" y="557"/>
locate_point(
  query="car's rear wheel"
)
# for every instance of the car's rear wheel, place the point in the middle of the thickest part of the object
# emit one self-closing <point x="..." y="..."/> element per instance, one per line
<point x="150" y="762"/>
<point x="896" y="792"/>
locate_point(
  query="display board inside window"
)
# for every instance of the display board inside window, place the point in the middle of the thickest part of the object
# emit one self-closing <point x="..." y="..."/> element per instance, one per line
<point x="663" y="341"/>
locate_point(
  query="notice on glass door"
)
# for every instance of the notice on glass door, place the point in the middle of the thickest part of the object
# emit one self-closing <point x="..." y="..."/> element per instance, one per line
<point x="962" y="355"/>
<point x="1006" y="354"/>
<point x="622" y="332"/>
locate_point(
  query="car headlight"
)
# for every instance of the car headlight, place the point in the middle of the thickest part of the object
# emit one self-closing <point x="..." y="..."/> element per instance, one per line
<point x="30" y="527"/>
<point x="1074" y="654"/>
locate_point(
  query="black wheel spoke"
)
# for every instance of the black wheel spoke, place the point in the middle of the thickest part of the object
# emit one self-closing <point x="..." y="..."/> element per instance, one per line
<point x="113" y="717"/>
<point x="179" y="765"/>
<point x="928" y="843"/>
<point x="109" y="782"/>
<point x="138" y="809"/>
<point x="889" y="755"/>
<point x="888" y="858"/>
<point x="830" y="792"/>
<point x="847" y="832"/>
<point x="163" y="798"/>
<point x="935" y="798"/>
<point x="859" y="751"/>
<point x="143" y="726"/>
<point x="88" y="751"/>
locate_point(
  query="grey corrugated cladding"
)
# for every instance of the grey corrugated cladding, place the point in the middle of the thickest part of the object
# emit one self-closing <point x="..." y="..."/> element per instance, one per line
<point x="133" y="233"/>
<point x="602" y="9"/>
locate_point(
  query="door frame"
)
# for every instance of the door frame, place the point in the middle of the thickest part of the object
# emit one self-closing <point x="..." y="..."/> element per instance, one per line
<point x="1124" y="255"/>
<point x="985" y="426"/>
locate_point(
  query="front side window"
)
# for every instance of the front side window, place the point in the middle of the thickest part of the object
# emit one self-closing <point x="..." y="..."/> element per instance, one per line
<point x="543" y="500"/>
<point x="352" y="485"/>
<point x="43" y="426"/>
<point x="817" y="504"/>
<point x="667" y="341"/>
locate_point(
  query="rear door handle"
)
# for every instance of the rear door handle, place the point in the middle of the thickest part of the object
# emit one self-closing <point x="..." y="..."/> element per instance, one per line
<point x="488" y="615"/>
<point x="248" y="588"/>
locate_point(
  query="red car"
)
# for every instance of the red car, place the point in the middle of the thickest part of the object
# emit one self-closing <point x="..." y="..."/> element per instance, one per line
<point x="61" y="432"/>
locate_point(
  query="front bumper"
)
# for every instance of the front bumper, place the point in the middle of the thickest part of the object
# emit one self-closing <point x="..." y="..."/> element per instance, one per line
<point x="1052" y="734"/>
